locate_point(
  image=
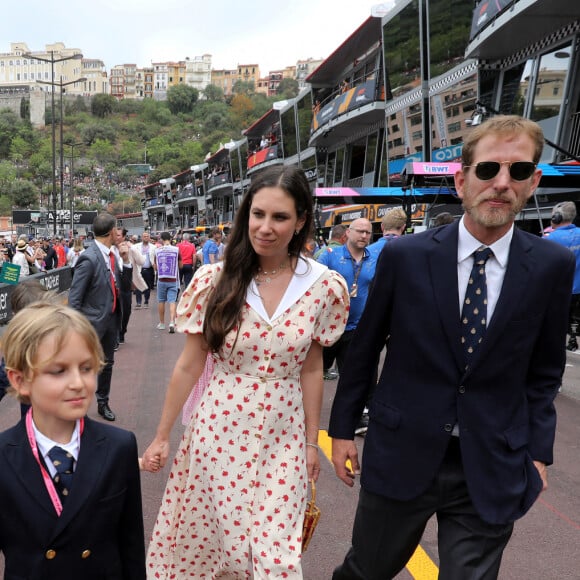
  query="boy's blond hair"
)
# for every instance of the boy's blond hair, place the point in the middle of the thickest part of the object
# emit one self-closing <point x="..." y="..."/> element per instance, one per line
<point x="32" y="325"/>
<point x="394" y="219"/>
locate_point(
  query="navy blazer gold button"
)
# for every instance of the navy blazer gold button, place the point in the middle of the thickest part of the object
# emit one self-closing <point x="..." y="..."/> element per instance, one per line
<point x="50" y="554"/>
<point x="85" y="554"/>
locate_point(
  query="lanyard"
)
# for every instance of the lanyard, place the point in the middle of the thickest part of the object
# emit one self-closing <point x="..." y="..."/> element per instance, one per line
<point x="356" y="268"/>
<point x="49" y="484"/>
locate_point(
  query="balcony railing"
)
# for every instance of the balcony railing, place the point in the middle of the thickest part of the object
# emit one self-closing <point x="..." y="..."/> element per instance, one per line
<point x="354" y="182"/>
<point x="574" y="146"/>
<point x="219" y="179"/>
<point x="346" y="99"/>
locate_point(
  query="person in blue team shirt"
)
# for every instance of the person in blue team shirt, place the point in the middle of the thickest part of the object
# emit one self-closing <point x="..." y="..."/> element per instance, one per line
<point x="393" y="226"/>
<point x="356" y="264"/>
<point x="567" y="234"/>
<point x="211" y="247"/>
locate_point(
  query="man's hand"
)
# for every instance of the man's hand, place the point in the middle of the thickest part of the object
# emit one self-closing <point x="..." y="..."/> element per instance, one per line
<point x="541" y="467"/>
<point x="344" y="450"/>
<point x="124" y="251"/>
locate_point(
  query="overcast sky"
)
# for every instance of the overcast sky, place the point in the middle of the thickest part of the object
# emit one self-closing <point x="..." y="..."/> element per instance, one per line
<point x="270" y="33"/>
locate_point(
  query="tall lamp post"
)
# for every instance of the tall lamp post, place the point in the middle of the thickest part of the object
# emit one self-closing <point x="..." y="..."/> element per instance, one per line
<point x="52" y="60"/>
<point x="62" y="85"/>
<point x="70" y="193"/>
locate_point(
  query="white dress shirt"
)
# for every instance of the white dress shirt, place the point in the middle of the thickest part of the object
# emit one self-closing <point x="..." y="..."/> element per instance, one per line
<point x="494" y="269"/>
<point x="45" y="444"/>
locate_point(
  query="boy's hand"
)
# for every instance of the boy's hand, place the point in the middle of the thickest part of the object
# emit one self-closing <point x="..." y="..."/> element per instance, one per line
<point x="156" y="455"/>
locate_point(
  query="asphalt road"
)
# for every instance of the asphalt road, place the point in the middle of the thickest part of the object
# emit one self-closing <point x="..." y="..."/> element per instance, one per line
<point x="545" y="542"/>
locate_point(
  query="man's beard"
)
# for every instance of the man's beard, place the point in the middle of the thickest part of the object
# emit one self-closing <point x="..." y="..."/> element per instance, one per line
<point x="495" y="216"/>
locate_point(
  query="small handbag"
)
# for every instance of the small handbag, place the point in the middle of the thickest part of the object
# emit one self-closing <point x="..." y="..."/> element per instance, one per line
<point x="311" y="518"/>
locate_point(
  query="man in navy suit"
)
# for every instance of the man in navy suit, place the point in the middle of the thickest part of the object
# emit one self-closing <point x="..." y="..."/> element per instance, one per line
<point x="466" y="436"/>
<point x="95" y="295"/>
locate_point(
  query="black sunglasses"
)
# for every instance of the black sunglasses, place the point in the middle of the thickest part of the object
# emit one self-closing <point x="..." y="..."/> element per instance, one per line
<point x="519" y="170"/>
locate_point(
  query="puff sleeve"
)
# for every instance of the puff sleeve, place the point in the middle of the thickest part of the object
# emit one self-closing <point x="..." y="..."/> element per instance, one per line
<point x="333" y="313"/>
<point x="192" y="305"/>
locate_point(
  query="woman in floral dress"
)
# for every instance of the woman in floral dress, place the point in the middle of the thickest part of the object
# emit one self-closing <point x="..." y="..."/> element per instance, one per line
<point x="236" y="495"/>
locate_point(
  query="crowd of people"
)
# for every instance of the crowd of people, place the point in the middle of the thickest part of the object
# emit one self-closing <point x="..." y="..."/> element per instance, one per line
<point x="34" y="255"/>
<point x="266" y="316"/>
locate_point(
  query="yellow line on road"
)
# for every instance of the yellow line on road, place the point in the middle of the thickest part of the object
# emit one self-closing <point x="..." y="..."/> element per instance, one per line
<point x="420" y="566"/>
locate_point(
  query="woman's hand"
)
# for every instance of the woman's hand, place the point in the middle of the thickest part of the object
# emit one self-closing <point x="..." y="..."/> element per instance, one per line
<point x="312" y="462"/>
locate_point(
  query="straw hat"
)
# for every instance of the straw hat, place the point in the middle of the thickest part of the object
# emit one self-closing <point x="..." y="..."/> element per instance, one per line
<point x="21" y="245"/>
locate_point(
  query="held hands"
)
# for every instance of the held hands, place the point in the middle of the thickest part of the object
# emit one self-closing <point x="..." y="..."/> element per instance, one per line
<point x="155" y="456"/>
<point x="344" y="450"/>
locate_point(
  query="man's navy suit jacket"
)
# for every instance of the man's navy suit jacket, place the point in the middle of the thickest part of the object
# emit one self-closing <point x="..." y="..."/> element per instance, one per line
<point x="99" y="533"/>
<point x="503" y="404"/>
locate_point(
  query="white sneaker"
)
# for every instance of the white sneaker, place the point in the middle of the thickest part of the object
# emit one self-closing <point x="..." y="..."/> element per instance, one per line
<point x="171" y="328"/>
<point x="161" y="326"/>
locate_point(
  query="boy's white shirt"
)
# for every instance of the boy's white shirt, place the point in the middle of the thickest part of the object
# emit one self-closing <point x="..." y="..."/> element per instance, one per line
<point x="45" y="444"/>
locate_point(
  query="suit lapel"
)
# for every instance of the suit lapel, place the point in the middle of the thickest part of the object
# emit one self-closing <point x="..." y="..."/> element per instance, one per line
<point x="100" y="260"/>
<point x="26" y="469"/>
<point x="92" y="458"/>
<point x="104" y="268"/>
<point x="443" y="272"/>
<point x="513" y="290"/>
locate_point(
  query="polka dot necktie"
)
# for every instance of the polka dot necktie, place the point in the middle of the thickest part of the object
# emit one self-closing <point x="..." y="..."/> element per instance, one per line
<point x="474" y="313"/>
<point x="63" y="461"/>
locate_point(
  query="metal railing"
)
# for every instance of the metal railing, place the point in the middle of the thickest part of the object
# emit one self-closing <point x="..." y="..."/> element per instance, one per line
<point x="574" y="144"/>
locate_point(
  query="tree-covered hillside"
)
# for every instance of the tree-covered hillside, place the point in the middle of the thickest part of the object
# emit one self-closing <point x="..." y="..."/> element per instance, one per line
<point x="105" y="135"/>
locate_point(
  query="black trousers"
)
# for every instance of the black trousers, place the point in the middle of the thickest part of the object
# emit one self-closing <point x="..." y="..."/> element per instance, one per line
<point x="126" y="298"/>
<point x="108" y="342"/>
<point x="386" y="532"/>
<point x="149" y="277"/>
<point x="186" y="274"/>
<point x="574" y="315"/>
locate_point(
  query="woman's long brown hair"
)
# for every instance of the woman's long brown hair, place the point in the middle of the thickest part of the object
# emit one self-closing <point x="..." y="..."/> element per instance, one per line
<point x="224" y="309"/>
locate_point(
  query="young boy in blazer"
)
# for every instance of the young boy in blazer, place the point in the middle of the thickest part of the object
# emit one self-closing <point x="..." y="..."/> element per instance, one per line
<point x="70" y="486"/>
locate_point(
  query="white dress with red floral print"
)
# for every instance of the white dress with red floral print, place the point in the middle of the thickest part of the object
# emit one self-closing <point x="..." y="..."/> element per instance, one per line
<point x="236" y="495"/>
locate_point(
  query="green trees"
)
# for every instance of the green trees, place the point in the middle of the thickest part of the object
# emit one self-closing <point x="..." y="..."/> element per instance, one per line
<point x="15" y="192"/>
<point x="244" y="88"/>
<point x="23" y="193"/>
<point x="214" y="93"/>
<point x="9" y="126"/>
<point x="288" y="88"/>
<point x="181" y="98"/>
<point x="102" y="105"/>
<point x="171" y="135"/>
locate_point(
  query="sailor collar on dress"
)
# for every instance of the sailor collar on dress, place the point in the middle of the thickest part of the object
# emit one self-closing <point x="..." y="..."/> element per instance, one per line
<point x="306" y="273"/>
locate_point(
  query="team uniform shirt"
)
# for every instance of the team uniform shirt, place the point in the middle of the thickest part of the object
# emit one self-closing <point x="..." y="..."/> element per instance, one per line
<point x="360" y="273"/>
<point x="569" y="236"/>
<point x="210" y="248"/>
<point x="167" y="258"/>
<point x="377" y="247"/>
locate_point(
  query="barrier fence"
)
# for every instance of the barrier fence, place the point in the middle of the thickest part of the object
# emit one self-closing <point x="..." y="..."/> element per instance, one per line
<point x="58" y="280"/>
